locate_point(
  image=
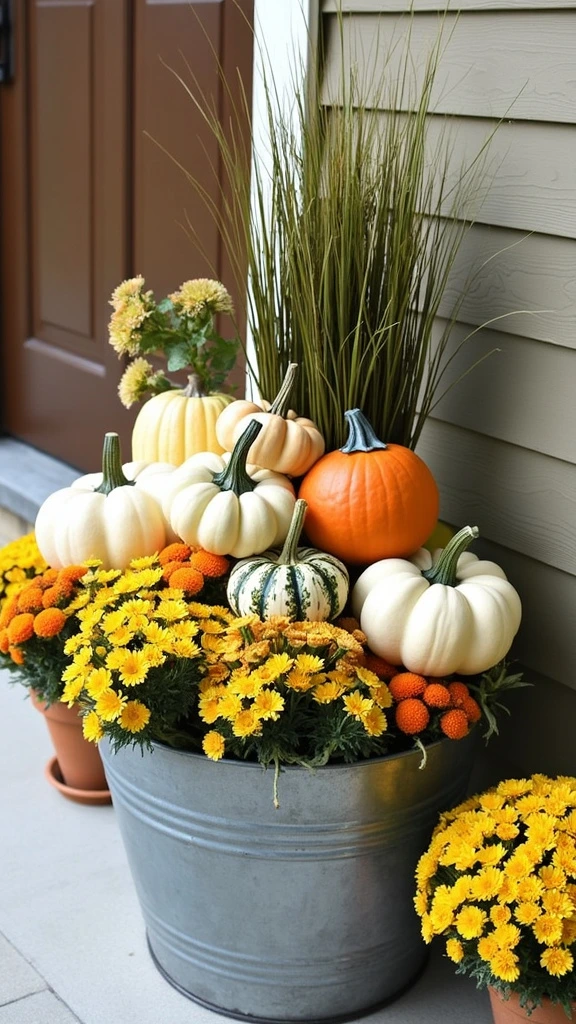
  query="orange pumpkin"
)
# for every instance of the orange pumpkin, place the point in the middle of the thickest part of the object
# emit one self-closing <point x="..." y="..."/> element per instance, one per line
<point x="369" y="500"/>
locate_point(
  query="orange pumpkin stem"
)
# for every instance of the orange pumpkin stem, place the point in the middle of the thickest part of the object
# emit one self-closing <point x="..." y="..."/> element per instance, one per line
<point x="112" y="472"/>
<point x="361" y="434"/>
<point x="444" y="571"/>
<point x="281" y="403"/>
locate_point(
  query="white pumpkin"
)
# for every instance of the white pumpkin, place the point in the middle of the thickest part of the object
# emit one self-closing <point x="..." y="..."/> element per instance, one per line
<point x="226" y="507"/>
<point x="115" y="523"/>
<point x="151" y="477"/>
<point x="438" y="615"/>
<point x="301" y="583"/>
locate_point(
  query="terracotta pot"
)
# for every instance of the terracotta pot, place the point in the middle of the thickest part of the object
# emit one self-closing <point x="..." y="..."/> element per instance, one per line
<point x="78" y="760"/>
<point x="509" y="1011"/>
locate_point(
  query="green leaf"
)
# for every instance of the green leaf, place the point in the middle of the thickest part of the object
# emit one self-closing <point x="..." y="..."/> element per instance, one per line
<point x="165" y="306"/>
<point x="178" y="356"/>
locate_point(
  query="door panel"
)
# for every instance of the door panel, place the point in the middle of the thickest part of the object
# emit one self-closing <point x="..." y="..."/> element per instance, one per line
<point x="87" y="199"/>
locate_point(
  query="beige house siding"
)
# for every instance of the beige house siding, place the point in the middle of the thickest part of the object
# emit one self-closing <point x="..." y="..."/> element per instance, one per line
<point x="503" y="443"/>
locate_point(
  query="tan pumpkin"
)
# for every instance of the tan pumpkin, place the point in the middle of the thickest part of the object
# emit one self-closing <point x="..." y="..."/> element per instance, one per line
<point x="174" y="425"/>
<point x="288" y="443"/>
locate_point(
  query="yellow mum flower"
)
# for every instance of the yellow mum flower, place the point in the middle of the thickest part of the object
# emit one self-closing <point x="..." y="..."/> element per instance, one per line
<point x="487" y="884"/>
<point x="506" y="936"/>
<point x="461" y="889"/>
<point x="492" y="854"/>
<point x="421" y="903"/>
<point x="79" y="602"/>
<point x="154" y="656"/>
<point x="135" y="716"/>
<point x="110" y="705"/>
<point x="504" y="964"/>
<point x="470" y="922"/>
<point x="246" y="723"/>
<point x="492" y="801"/>
<point x="552" y="877"/>
<point x="134" y="383"/>
<point x="547" y="930"/>
<point x="113" y="620"/>
<point x="73" y="644"/>
<point x="171" y="611"/>
<point x="557" y="961"/>
<point x="514" y="787"/>
<point x="519" y="866"/>
<point x="154" y="633"/>
<point x="245" y="685"/>
<point x="72" y="691"/>
<point x="487" y="947"/>
<point x="569" y="931"/>
<point x="134" y="668"/>
<point x="381" y="696"/>
<point x="308" y="663"/>
<point x="184" y="630"/>
<point x="209" y="709"/>
<point x="500" y="915"/>
<point x="121" y="636"/>
<point x="374" y="721"/>
<point x="182" y="647"/>
<point x="268" y="704"/>
<point x="455" y="950"/>
<point x="146" y="562"/>
<point x="218" y="672"/>
<point x="557" y="903"/>
<point x="300" y="681"/>
<point x="506" y="830"/>
<point x="99" y="680"/>
<point x="356" y="705"/>
<point x="116" y="658"/>
<point x="92" y="727"/>
<point x="230" y="706"/>
<point x="213" y="745"/>
<point x="201" y="296"/>
<point x="527" y="912"/>
<point x="278" y="665"/>
<point x="325" y="693"/>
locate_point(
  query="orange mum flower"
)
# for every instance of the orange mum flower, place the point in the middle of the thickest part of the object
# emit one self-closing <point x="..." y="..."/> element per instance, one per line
<point x="64" y="586"/>
<point x="459" y="692"/>
<point x="174" y="553"/>
<point x="454" y="724"/>
<point x="73" y="572"/>
<point x="30" y="600"/>
<point x="437" y="696"/>
<point x="187" y="579"/>
<point x="407" y="684"/>
<point x="382" y="668"/>
<point x="472" y="709"/>
<point x="47" y="579"/>
<point x="171" y="567"/>
<point x="9" y="610"/>
<point x="412" y="716"/>
<point x="17" y="655"/>
<point x="49" y="622"/>
<point x="4" y="641"/>
<point x="50" y="597"/>
<point x="21" y="628"/>
<point x="208" y="564"/>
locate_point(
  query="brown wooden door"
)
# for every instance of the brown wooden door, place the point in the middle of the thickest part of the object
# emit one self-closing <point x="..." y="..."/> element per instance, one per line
<point x="88" y="198"/>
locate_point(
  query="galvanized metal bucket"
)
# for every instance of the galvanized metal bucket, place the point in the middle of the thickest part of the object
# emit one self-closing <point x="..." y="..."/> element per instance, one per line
<point x="303" y="913"/>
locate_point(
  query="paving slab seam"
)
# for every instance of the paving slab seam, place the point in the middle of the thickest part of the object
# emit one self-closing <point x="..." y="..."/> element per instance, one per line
<point x="47" y="985"/>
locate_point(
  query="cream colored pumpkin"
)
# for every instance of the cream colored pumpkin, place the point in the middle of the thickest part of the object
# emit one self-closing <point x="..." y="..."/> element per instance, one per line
<point x="287" y="443"/>
<point x="438" y="615"/>
<point x="226" y="507"/>
<point x="174" y="425"/>
<point x="117" y="524"/>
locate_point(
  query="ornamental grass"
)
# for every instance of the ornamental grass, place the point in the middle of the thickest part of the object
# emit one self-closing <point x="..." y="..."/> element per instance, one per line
<point x="350" y="222"/>
<point x="498" y="882"/>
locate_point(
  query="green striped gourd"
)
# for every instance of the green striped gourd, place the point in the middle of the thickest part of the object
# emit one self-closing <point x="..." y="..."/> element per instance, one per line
<point x="301" y="583"/>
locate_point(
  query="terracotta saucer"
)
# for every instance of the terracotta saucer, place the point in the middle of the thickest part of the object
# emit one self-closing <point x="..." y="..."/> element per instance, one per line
<point x="80" y="796"/>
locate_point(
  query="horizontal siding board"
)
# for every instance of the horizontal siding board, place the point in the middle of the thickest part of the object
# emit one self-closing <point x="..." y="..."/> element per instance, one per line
<point x="393" y="6"/>
<point x="518" y="64"/>
<point x="524" y="393"/>
<point x="546" y="641"/>
<point x="520" y="498"/>
<point x="516" y="272"/>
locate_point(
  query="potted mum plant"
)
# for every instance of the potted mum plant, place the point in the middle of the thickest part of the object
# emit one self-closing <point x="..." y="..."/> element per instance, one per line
<point x="182" y="328"/>
<point x="498" y="882"/>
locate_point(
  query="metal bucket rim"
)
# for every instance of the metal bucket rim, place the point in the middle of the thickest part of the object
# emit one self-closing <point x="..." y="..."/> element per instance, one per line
<point x="367" y="763"/>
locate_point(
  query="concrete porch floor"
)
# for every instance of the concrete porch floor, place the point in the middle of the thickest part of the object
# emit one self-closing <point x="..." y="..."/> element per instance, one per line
<point x="72" y="945"/>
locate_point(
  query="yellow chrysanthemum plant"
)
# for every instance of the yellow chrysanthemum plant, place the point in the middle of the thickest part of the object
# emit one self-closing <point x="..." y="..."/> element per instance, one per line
<point x="181" y="326"/>
<point x="498" y="882"/>
<point x="44" y="622"/>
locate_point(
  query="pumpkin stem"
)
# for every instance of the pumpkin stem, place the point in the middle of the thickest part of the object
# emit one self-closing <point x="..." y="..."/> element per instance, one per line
<point x="361" y="435"/>
<point x="112" y="473"/>
<point x="445" y="569"/>
<point x="234" y="477"/>
<point x="288" y="554"/>
<point x="281" y="403"/>
<point x="195" y="387"/>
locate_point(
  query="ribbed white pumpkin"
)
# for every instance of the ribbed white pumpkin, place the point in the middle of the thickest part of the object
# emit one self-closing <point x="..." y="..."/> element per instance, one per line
<point x="175" y="425"/>
<point x="301" y="583"/>
<point x="226" y="507"/>
<point x="115" y="523"/>
<point x="152" y="477"/>
<point x="438" y="615"/>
